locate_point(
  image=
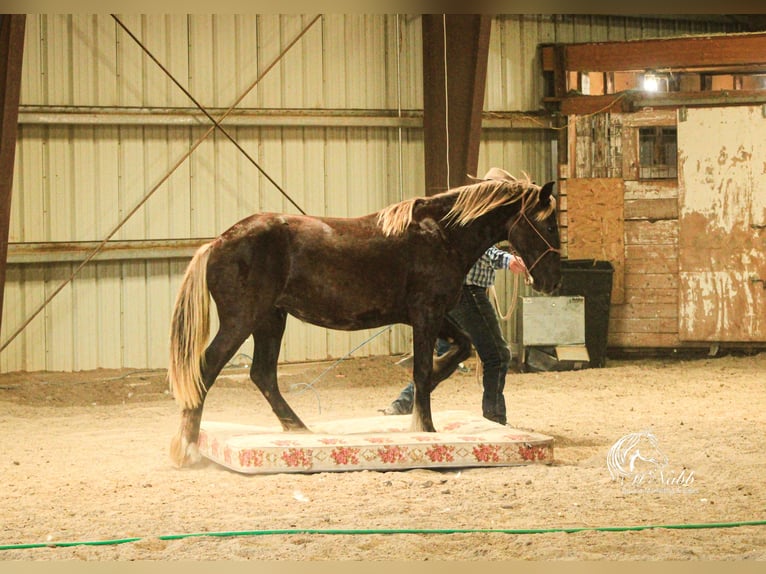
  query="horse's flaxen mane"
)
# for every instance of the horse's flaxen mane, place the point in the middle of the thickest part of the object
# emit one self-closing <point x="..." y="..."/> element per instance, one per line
<point x="472" y="202"/>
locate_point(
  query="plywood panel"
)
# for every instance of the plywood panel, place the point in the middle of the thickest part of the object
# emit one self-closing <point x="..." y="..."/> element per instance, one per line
<point x="596" y="225"/>
<point x="721" y="255"/>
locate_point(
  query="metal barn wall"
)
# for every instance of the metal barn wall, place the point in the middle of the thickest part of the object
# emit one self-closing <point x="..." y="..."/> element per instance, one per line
<point x="358" y="148"/>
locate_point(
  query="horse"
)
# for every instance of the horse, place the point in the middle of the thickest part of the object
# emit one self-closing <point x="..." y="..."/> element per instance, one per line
<point x="403" y="264"/>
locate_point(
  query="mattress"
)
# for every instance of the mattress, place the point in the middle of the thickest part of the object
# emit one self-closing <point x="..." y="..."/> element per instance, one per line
<point x="382" y="443"/>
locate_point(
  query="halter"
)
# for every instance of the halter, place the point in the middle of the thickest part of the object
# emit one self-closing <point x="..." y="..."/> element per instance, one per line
<point x="551" y="249"/>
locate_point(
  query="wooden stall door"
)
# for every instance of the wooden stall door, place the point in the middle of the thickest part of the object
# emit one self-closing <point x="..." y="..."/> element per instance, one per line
<point x="722" y="215"/>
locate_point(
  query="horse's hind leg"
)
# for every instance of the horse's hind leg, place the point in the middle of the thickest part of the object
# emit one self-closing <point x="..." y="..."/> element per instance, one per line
<point x="459" y="351"/>
<point x="267" y="337"/>
<point x="427" y="373"/>
<point x="183" y="447"/>
<point x="422" y="369"/>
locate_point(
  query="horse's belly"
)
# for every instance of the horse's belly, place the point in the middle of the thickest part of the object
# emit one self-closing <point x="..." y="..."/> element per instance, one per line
<point x="346" y="322"/>
<point x="343" y="315"/>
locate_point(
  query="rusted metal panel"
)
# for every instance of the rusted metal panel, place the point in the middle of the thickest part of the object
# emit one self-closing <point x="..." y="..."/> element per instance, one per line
<point x="721" y="244"/>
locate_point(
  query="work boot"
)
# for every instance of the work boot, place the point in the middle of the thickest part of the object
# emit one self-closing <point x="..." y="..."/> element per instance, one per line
<point x="398" y="408"/>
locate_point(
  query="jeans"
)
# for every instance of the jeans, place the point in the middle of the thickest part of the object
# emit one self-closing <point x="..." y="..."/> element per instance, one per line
<point x="476" y="316"/>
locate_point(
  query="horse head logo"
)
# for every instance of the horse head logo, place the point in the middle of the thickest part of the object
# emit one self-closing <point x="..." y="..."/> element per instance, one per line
<point x="635" y="454"/>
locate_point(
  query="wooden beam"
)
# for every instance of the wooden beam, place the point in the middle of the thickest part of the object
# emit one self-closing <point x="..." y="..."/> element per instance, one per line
<point x="76" y="251"/>
<point x="636" y="100"/>
<point x="583" y="105"/>
<point x="459" y="44"/>
<point x="11" y="52"/>
<point x="689" y="52"/>
<point x="408" y="119"/>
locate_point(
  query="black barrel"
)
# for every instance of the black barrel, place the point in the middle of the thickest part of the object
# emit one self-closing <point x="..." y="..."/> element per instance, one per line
<point x="593" y="280"/>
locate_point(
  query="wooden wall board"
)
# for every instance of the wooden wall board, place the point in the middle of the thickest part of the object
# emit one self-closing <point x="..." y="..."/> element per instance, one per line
<point x="651" y="232"/>
<point x="722" y="261"/>
<point x="632" y="340"/>
<point x="651" y="209"/>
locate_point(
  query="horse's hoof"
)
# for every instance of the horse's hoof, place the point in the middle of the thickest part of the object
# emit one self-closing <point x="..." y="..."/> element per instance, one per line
<point x="421" y="426"/>
<point x="184" y="454"/>
<point x="298" y="429"/>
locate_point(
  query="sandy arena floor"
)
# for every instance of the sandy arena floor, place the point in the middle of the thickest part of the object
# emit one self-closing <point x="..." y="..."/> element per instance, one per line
<point x="84" y="458"/>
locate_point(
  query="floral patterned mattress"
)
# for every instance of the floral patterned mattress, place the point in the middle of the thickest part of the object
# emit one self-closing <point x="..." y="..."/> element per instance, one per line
<point x="375" y="443"/>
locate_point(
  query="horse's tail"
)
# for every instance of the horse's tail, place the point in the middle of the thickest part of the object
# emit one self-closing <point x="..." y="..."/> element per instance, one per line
<point x="189" y="331"/>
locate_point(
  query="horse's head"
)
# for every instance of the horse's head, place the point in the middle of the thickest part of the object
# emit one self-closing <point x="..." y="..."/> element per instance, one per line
<point x="534" y="235"/>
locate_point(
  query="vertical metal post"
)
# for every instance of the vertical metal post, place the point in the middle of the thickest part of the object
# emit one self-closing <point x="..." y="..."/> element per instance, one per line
<point x="11" y="51"/>
<point x="457" y="44"/>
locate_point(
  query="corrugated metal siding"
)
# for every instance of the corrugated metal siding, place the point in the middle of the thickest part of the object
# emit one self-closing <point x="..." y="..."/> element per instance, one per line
<point x="75" y="182"/>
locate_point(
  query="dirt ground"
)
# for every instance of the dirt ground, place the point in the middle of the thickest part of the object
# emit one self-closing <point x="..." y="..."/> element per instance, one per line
<point x="84" y="458"/>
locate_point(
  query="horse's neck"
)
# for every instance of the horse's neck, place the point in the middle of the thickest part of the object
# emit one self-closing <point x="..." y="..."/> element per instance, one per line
<point x="473" y="239"/>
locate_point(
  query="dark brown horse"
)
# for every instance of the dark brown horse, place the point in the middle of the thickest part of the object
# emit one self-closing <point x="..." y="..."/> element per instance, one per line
<point x="404" y="264"/>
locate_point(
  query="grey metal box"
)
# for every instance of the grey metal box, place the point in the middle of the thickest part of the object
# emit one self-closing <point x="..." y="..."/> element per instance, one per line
<point x="551" y="321"/>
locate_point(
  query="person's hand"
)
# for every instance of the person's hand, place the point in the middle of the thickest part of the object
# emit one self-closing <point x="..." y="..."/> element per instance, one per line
<point x="517" y="265"/>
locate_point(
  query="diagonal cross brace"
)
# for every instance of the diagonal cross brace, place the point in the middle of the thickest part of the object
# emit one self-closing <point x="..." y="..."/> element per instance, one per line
<point x="216" y="124"/>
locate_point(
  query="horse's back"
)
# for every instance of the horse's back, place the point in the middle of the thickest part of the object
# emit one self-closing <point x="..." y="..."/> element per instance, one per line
<point x="335" y="272"/>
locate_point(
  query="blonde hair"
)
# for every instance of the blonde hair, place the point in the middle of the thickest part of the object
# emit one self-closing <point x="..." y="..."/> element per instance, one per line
<point x="189" y="332"/>
<point x="472" y="202"/>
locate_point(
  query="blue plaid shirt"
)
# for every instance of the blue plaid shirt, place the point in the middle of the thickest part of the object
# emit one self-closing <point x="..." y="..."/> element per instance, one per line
<point x="482" y="273"/>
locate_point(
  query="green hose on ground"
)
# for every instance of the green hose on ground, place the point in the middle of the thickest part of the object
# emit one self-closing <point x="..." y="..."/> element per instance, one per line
<point x="363" y="531"/>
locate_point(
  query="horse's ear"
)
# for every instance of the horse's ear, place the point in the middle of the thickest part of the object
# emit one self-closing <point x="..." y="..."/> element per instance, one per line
<point x="546" y="192"/>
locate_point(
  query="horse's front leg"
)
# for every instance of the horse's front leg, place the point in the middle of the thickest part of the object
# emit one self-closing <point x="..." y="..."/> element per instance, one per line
<point x="422" y="369"/>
